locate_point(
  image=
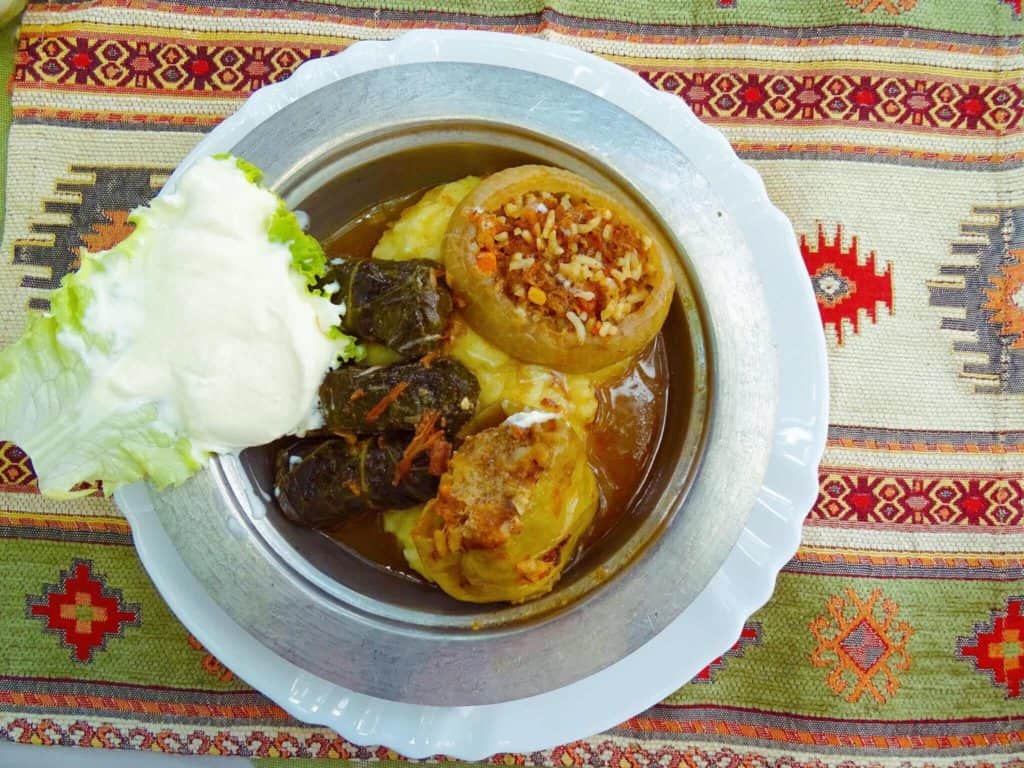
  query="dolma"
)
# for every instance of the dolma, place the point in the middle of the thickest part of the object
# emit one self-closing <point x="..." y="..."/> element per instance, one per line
<point x="367" y="401"/>
<point x="589" y="288"/>
<point x="509" y="512"/>
<point x="318" y="483"/>
<point x="403" y="305"/>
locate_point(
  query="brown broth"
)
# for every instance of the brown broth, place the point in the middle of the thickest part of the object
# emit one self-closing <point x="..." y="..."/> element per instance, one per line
<point x="358" y="237"/>
<point x="364" y="533"/>
<point x="623" y="437"/>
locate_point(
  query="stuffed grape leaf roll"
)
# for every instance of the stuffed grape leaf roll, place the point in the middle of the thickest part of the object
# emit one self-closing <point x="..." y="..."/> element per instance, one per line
<point x="366" y="401"/>
<point x="403" y="305"/>
<point x="320" y="482"/>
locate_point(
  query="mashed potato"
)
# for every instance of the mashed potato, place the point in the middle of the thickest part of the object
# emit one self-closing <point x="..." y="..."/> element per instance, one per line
<point x="420" y="229"/>
<point x="399" y="523"/>
<point x="515" y="386"/>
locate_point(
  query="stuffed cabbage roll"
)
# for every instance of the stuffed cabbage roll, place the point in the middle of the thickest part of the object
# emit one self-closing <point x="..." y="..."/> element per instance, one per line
<point x="403" y="305"/>
<point x="509" y="512"/>
<point x="320" y="482"/>
<point x="368" y="401"/>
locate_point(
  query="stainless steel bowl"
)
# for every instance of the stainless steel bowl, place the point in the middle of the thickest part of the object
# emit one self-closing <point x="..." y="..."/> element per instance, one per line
<point x="393" y="131"/>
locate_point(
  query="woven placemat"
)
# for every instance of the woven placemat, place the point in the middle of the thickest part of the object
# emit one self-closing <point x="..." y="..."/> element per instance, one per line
<point x="889" y="131"/>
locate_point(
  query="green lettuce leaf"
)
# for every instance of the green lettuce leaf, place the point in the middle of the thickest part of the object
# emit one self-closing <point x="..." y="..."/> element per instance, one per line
<point x="51" y="407"/>
<point x="307" y="256"/>
<point x="44" y="395"/>
<point x="252" y="173"/>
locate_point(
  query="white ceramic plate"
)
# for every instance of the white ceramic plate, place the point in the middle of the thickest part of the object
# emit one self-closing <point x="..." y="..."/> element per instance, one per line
<point x="744" y="583"/>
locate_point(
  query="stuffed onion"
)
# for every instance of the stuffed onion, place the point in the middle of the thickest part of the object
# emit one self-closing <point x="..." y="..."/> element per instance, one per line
<point x="555" y="271"/>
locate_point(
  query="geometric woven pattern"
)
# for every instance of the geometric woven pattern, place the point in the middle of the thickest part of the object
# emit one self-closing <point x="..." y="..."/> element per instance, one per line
<point x="984" y="298"/>
<point x="997" y="647"/>
<point x="921" y="500"/>
<point x="890" y="133"/>
<point x="162" y="65"/>
<point x="15" y="468"/>
<point x="82" y="610"/>
<point x="750" y="635"/>
<point x="822" y="97"/>
<point x="892" y="7"/>
<point x="863" y="644"/>
<point x="844" y="287"/>
<point x="159" y="65"/>
<point x="17" y="475"/>
<point x="211" y="663"/>
<point x="89" y="209"/>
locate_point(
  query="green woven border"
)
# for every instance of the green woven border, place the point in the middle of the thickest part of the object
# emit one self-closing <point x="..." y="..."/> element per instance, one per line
<point x="8" y="45"/>
<point x="985" y="17"/>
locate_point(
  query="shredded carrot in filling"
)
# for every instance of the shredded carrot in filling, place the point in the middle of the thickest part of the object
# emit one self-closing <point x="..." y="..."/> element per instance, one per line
<point x="566" y="259"/>
<point x="385" y="402"/>
<point x="429" y="438"/>
<point x="486" y="262"/>
<point x="440" y="454"/>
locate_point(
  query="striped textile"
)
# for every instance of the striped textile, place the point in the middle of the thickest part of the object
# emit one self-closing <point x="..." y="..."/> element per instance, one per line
<point x="891" y="132"/>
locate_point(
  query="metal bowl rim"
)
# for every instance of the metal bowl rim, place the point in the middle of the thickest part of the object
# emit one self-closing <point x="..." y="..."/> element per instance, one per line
<point x="758" y="376"/>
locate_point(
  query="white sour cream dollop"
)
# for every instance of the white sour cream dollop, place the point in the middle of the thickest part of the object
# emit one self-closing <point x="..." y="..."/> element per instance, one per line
<point x="208" y="320"/>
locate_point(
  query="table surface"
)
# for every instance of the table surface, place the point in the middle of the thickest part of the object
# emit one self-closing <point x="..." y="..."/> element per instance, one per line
<point x="889" y="131"/>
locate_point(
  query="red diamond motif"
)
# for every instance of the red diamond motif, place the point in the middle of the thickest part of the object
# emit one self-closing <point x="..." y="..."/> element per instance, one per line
<point x="997" y="647"/>
<point x="82" y="610"/>
<point x="847" y="285"/>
